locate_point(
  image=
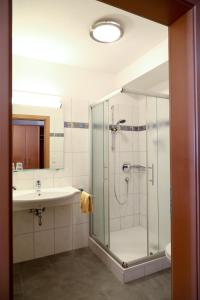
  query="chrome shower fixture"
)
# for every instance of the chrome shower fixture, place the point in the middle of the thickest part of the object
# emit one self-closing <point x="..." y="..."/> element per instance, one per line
<point x="116" y="127"/>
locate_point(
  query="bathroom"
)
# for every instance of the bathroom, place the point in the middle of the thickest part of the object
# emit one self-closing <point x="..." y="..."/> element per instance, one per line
<point x="91" y="123"/>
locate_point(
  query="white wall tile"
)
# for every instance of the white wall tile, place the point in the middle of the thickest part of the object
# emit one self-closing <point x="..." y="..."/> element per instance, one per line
<point x="41" y="174"/>
<point x="44" y="243"/>
<point x="80" y="141"/>
<point x="135" y="141"/>
<point x="136" y="204"/>
<point x="127" y="222"/>
<point x="114" y="207"/>
<point x="67" y="140"/>
<point x="63" y="181"/>
<point x="47" y="183"/>
<point x="63" y="216"/>
<point x="78" y="216"/>
<point x="80" y="235"/>
<point x="23" y="175"/>
<point x="22" y="222"/>
<point x="143" y="204"/>
<point x="126" y="141"/>
<point x="136" y="220"/>
<point x="143" y="221"/>
<point x="142" y="111"/>
<point x="24" y="184"/>
<point x="142" y="141"/>
<point x="63" y="239"/>
<point x="68" y="164"/>
<point x="81" y="182"/>
<point x="115" y="224"/>
<point x="23" y="247"/>
<point x="127" y="208"/>
<point x="80" y="164"/>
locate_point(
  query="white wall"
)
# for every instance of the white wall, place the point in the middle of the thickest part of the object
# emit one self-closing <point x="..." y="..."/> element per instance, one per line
<point x="78" y="87"/>
<point x="52" y="78"/>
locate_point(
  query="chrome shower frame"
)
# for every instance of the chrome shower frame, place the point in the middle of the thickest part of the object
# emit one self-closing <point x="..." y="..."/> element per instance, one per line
<point x="115" y="128"/>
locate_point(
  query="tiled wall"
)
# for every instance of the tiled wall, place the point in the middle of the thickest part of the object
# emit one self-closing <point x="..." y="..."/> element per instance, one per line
<point x="76" y="156"/>
<point x="131" y="148"/>
<point x="63" y="228"/>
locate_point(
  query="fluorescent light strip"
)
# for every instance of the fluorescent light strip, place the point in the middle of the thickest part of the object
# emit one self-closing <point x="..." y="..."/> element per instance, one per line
<point x="34" y="99"/>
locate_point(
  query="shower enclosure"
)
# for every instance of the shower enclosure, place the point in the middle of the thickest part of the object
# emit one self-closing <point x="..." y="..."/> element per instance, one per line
<point x="131" y="176"/>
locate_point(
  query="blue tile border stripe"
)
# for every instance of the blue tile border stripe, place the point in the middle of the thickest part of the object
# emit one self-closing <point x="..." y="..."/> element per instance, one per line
<point x="76" y="125"/>
<point x="55" y="134"/>
<point x="83" y="125"/>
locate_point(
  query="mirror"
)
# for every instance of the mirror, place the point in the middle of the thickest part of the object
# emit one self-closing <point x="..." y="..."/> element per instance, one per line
<point x="38" y="134"/>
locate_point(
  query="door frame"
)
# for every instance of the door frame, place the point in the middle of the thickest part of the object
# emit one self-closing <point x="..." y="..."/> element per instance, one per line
<point x="183" y="19"/>
<point x="46" y="120"/>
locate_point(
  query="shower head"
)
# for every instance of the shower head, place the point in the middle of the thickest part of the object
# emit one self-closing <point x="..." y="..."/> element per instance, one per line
<point x="121" y="122"/>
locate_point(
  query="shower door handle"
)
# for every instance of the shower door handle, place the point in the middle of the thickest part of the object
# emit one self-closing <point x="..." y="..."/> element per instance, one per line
<point x="152" y="174"/>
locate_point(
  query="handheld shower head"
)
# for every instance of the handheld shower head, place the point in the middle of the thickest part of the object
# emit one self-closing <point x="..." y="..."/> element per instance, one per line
<point x="122" y="121"/>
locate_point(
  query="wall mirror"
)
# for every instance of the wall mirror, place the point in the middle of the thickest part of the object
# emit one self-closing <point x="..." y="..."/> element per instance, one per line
<point x="38" y="132"/>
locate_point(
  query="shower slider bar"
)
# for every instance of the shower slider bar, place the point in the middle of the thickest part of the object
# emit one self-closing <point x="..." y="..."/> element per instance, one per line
<point x="127" y="168"/>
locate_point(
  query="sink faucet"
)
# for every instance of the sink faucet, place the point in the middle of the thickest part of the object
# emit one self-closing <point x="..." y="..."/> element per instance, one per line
<point x="14" y="188"/>
<point x="38" y="187"/>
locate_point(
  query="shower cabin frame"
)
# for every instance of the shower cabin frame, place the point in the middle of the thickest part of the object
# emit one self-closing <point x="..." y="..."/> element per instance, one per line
<point x="147" y="258"/>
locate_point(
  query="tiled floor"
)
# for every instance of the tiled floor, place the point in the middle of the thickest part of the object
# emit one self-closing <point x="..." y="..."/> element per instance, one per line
<point x="80" y="275"/>
<point x="129" y="244"/>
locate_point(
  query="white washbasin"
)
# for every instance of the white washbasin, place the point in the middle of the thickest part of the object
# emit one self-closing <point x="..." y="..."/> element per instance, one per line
<point x="27" y="199"/>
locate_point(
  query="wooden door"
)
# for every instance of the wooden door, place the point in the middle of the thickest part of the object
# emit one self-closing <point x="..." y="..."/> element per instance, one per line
<point x="26" y="146"/>
<point x="32" y="147"/>
<point x="19" y="144"/>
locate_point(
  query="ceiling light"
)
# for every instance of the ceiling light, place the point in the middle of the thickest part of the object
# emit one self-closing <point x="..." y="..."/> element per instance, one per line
<point x="106" y="31"/>
<point x="35" y="99"/>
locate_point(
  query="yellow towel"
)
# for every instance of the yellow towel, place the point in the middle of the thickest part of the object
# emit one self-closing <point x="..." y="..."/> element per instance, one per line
<point x="86" y="203"/>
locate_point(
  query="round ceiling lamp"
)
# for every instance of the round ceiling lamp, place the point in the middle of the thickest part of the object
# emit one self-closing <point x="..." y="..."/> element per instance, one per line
<point x="106" y="31"/>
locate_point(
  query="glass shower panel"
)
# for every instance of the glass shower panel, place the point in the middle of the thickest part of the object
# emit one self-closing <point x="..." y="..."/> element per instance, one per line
<point x="163" y="172"/>
<point x="152" y="184"/>
<point x="99" y="218"/>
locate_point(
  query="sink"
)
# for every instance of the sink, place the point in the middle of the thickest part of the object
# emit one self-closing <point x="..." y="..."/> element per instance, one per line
<point x="27" y="199"/>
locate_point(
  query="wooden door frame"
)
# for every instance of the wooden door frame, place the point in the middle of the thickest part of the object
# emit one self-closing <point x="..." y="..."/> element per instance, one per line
<point x="183" y="19"/>
<point x="46" y="120"/>
<point x="6" y="287"/>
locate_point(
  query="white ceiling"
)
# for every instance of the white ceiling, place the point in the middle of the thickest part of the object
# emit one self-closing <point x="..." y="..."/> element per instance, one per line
<point x="58" y="31"/>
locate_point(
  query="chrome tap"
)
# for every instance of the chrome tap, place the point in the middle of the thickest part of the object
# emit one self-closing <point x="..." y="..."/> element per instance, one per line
<point x="38" y="187"/>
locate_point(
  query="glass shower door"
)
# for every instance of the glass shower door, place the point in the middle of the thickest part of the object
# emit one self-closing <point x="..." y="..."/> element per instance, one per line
<point x="163" y="172"/>
<point x="158" y="184"/>
<point x="100" y="131"/>
<point x="152" y="183"/>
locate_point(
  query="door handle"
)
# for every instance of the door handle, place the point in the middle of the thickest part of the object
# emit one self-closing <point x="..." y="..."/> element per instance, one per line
<point x="152" y="174"/>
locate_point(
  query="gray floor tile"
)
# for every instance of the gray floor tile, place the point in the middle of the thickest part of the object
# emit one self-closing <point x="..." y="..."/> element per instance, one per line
<point x="80" y="275"/>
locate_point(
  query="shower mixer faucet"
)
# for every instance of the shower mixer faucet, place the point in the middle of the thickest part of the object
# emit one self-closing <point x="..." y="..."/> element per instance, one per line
<point x="126" y="167"/>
